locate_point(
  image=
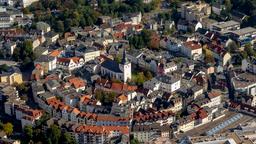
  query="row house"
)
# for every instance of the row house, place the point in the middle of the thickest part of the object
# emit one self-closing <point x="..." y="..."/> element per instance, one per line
<point x="70" y="63"/>
<point x="166" y="83"/>
<point x="249" y="65"/>
<point x="245" y="83"/>
<point x="60" y="110"/>
<point x="27" y="116"/>
<point x="98" y="134"/>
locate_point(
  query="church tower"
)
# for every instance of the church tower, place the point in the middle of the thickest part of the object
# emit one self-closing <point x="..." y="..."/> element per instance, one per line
<point x="126" y="67"/>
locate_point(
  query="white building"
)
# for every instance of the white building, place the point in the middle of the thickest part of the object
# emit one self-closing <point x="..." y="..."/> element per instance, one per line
<point x="6" y="2"/>
<point x="166" y="83"/>
<point x="225" y="26"/>
<point x="245" y="83"/>
<point x="43" y="27"/>
<point x="26" y="3"/>
<point x="48" y="63"/>
<point x="120" y="71"/>
<point x="6" y="20"/>
<point x="70" y="63"/>
<point x="88" y="53"/>
<point x="249" y="65"/>
<point x="192" y="50"/>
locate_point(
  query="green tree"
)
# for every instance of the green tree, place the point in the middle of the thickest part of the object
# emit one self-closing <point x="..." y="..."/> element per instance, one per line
<point x="148" y="75"/>
<point x="209" y="56"/>
<point x="28" y="130"/>
<point x="54" y="134"/>
<point x="59" y="27"/>
<point x="8" y="128"/>
<point x="134" y="141"/>
<point x="232" y="47"/>
<point x="140" y="78"/>
<point x="249" y="50"/>
<point x="67" y="139"/>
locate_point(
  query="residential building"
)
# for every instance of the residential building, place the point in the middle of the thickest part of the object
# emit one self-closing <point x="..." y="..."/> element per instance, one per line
<point x="192" y="50"/>
<point x="245" y="83"/>
<point x="6" y="20"/>
<point x="195" y="11"/>
<point x="225" y="27"/>
<point x="167" y="83"/>
<point x="26" y="3"/>
<point x="11" y="75"/>
<point x="70" y="63"/>
<point x="244" y="32"/>
<point x="88" y="53"/>
<point x="44" y="27"/>
<point x="48" y="63"/>
<point x="51" y="37"/>
<point x="249" y="65"/>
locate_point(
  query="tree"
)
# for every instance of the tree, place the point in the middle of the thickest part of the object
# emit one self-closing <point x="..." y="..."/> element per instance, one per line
<point x="232" y="47"/>
<point x="67" y="139"/>
<point x="54" y="134"/>
<point x="59" y="27"/>
<point x="134" y="141"/>
<point x="140" y="78"/>
<point x="209" y="56"/>
<point x="28" y="130"/>
<point x="106" y="98"/>
<point x="8" y="128"/>
<point x="249" y="50"/>
<point x="148" y="75"/>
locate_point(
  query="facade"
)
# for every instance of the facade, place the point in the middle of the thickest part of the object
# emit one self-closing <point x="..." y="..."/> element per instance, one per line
<point x="88" y="53"/>
<point x="225" y="26"/>
<point x="70" y="63"/>
<point x="120" y="71"/>
<point x="6" y="20"/>
<point x="192" y="50"/>
<point x="48" y="63"/>
<point x="11" y="75"/>
<point x="195" y="11"/>
<point x="245" y="83"/>
<point x="249" y="65"/>
<point x="44" y="27"/>
<point x="26" y="3"/>
<point x="166" y="83"/>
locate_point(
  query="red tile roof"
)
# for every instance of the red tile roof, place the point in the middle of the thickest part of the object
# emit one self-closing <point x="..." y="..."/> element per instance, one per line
<point x="102" y="129"/>
<point x="77" y="82"/>
<point x="192" y="45"/>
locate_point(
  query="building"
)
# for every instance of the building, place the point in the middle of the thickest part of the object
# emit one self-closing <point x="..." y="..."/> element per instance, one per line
<point x="218" y="6"/>
<point x="6" y="20"/>
<point x="192" y="50"/>
<point x="244" y="32"/>
<point x="195" y="11"/>
<point x="6" y="2"/>
<point x="245" y="83"/>
<point x="11" y="75"/>
<point x="88" y="53"/>
<point x="227" y="138"/>
<point x="167" y="83"/>
<point x="112" y="69"/>
<point x="51" y="37"/>
<point x="44" y="27"/>
<point x="225" y="26"/>
<point x="98" y="134"/>
<point x="26" y="3"/>
<point x="48" y="63"/>
<point x="249" y="65"/>
<point x="70" y="63"/>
